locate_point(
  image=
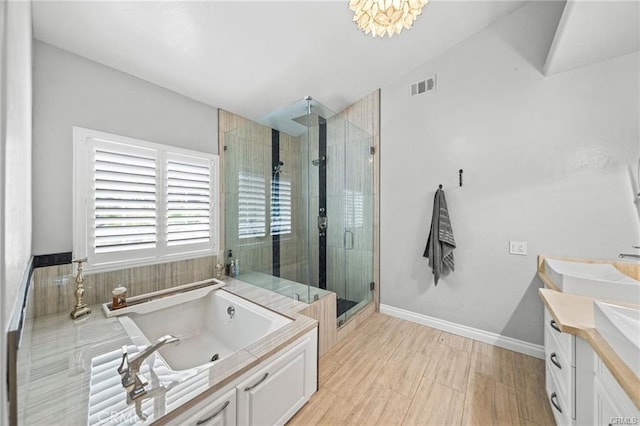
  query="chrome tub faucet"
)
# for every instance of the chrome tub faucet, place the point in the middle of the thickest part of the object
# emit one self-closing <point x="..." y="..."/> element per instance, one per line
<point x="129" y="369"/>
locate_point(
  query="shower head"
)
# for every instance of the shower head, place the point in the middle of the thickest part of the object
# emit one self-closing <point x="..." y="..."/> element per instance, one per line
<point x="309" y="120"/>
<point x="317" y="161"/>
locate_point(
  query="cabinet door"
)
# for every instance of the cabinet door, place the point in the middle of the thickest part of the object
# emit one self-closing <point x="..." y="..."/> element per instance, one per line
<point x="612" y="404"/>
<point x="217" y="411"/>
<point x="604" y="407"/>
<point x="276" y="392"/>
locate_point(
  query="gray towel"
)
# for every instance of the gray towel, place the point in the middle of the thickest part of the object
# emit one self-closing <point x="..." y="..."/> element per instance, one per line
<point x="439" y="249"/>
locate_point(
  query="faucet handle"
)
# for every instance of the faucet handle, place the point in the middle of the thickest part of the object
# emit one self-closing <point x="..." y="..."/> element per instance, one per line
<point x="124" y="369"/>
<point x="124" y="364"/>
<point x="137" y="390"/>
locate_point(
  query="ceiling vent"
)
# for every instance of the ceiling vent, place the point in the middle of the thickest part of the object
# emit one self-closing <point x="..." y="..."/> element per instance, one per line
<point x="422" y="86"/>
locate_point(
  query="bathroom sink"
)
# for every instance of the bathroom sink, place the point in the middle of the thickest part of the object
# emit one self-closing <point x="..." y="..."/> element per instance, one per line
<point x="620" y="327"/>
<point x="600" y="280"/>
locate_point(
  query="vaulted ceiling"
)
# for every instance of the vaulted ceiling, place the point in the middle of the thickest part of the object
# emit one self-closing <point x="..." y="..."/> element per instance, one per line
<point x="255" y="57"/>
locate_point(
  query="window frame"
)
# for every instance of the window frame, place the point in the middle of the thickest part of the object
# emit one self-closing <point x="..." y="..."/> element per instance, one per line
<point x="83" y="208"/>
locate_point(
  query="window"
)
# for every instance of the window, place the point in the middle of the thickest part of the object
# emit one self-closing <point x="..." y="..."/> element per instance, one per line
<point x="252" y="205"/>
<point x="138" y="202"/>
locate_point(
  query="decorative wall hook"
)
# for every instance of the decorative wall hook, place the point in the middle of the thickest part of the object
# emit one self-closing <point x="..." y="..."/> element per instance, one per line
<point x="459" y="179"/>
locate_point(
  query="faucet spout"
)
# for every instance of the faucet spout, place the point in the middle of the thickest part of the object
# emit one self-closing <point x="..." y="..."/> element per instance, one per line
<point x="136" y="361"/>
<point x="129" y="368"/>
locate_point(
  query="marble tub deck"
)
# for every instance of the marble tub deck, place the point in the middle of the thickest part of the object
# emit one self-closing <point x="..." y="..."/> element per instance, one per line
<point x="56" y="357"/>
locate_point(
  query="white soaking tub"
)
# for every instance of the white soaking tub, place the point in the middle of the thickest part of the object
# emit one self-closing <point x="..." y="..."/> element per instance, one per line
<point x="210" y="323"/>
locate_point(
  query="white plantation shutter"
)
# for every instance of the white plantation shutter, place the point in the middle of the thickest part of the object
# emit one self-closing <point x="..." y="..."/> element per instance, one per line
<point x="252" y="197"/>
<point x="124" y="198"/>
<point x="138" y="202"/>
<point x="281" y="205"/>
<point x="188" y="200"/>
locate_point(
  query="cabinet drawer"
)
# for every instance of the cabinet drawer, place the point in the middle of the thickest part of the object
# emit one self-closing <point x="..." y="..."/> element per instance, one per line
<point x="564" y="341"/>
<point x="559" y="365"/>
<point x="564" y="386"/>
<point x="560" y="408"/>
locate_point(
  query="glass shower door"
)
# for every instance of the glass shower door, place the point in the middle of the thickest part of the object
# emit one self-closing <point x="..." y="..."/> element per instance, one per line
<point x="358" y="220"/>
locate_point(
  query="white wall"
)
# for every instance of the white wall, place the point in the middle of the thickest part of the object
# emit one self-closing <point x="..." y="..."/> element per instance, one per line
<point x="73" y="91"/>
<point x="3" y="324"/>
<point x="15" y="164"/>
<point x="545" y="159"/>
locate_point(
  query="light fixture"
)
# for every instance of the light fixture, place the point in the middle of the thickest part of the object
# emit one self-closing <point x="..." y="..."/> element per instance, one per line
<point x="380" y="17"/>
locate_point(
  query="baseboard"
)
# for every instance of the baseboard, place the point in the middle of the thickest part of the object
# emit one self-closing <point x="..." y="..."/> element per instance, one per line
<point x="465" y="331"/>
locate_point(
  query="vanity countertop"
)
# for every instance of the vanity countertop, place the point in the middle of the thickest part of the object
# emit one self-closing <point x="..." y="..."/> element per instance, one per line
<point x="60" y="359"/>
<point x="574" y="315"/>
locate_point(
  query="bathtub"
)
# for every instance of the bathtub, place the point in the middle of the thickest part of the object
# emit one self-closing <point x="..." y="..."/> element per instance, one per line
<point x="210" y="323"/>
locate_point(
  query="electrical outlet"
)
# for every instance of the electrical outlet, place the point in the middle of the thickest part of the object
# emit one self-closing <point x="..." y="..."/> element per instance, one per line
<point x="518" y="247"/>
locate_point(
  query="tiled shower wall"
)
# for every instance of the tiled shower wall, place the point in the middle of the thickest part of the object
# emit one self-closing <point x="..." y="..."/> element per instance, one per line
<point x="293" y="248"/>
<point x="350" y="174"/>
<point x="54" y="286"/>
<point x="247" y="146"/>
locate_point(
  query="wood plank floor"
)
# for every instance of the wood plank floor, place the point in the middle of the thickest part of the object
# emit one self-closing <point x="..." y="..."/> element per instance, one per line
<point x="394" y="372"/>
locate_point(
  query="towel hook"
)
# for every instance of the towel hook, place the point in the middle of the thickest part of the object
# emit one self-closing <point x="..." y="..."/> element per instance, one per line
<point x="460" y="176"/>
<point x="439" y="186"/>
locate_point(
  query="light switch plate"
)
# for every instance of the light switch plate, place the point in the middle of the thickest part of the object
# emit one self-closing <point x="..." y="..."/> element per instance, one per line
<point x="518" y="247"/>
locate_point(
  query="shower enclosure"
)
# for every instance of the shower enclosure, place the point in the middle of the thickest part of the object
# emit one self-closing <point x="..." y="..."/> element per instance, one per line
<point x="299" y="205"/>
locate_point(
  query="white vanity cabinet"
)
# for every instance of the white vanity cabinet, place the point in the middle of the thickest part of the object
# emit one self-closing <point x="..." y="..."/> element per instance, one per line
<point x="275" y="392"/>
<point x="580" y="388"/>
<point x="268" y="394"/>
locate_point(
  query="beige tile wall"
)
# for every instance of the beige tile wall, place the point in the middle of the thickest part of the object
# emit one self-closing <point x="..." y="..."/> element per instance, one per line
<point x="53" y="286"/>
<point x="248" y="146"/>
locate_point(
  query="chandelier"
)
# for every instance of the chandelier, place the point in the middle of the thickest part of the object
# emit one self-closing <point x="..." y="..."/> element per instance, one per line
<point x="380" y="17"/>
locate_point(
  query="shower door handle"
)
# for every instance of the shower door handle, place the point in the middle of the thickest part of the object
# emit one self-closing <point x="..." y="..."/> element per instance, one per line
<point x="348" y="240"/>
